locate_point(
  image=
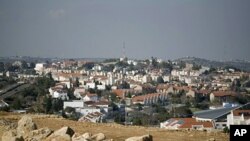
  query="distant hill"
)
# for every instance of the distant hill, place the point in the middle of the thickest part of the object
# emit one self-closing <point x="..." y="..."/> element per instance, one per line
<point x="239" y="64"/>
<point x="44" y="59"/>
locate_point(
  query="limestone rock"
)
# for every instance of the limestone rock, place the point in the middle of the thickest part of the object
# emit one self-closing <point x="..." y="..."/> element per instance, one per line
<point x="63" y="134"/>
<point x="141" y="138"/>
<point x="65" y="130"/>
<point x="86" y="135"/>
<point x="25" y="125"/>
<point x="98" y="137"/>
<point x="38" y="135"/>
<point x="64" y="137"/>
<point x="83" y="137"/>
<point x="11" y="136"/>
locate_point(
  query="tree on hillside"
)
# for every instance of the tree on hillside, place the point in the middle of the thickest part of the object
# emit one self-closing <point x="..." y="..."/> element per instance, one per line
<point x="1" y="66"/>
<point x="57" y="105"/>
<point x="17" y="104"/>
<point x="154" y="62"/>
<point x="160" y="79"/>
<point x="182" y="64"/>
<point x="77" y="83"/>
<point x="24" y="65"/>
<point x="48" y="104"/>
<point x="196" y="67"/>
<point x="88" y="66"/>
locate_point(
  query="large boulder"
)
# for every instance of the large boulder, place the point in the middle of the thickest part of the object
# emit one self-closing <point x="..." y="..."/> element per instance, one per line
<point x="63" y="134"/>
<point x="141" y="138"/>
<point x="86" y="135"/>
<point x="59" y="138"/>
<point x="11" y="136"/>
<point x="83" y="137"/>
<point x="98" y="137"/>
<point x="38" y="135"/>
<point x="65" y="130"/>
<point x="25" y="125"/>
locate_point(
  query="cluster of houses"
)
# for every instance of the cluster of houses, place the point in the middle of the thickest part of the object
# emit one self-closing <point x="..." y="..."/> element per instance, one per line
<point x="216" y="87"/>
<point x="211" y="119"/>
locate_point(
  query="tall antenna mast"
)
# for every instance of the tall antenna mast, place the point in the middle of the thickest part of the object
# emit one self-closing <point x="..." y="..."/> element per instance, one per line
<point x="124" y="56"/>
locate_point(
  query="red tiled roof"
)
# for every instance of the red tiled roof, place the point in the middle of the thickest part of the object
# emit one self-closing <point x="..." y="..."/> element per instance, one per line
<point x="185" y="88"/>
<point x="224" y="93"/>
<point x="69" y="75"/>
<point x="204" y="92"/>
<point x="120" y="92"/>
<point x="240" y="112"/>
<point x="142" y="97"/>
<point x="163" y="86"/>
<point x="189" y="122"/>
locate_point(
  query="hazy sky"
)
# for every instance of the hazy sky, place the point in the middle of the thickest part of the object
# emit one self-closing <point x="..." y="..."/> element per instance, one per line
<point x="167" y="29"/>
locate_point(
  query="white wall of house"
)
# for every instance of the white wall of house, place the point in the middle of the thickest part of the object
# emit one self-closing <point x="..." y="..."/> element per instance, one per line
<point x="166" y="78"/>
<point x="236" y="120"/>
<point x="90" y="85"/>
<point x="146" y="79"/>
<point x="101" y="87"/>
<point x="211" y="97"/>
<point x="220" y="125"/>
<point x="78" y="91"/>
<point x="86" y="110"/>
<point x="39" y="67"/>
<point x="73" y="104"/>
<point x="90" y="98"/>
<point x="60" y="95"/>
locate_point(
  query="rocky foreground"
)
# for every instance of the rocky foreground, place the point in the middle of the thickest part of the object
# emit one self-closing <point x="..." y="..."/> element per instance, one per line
<point x="27" y="131"/>
<point x="48" y="125"/>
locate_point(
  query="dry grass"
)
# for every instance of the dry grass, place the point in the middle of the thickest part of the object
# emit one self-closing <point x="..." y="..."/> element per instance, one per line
<point x="119" y="132"/>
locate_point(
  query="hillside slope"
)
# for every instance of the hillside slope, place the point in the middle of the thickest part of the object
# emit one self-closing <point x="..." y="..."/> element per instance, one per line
<point x="115" y="131"/>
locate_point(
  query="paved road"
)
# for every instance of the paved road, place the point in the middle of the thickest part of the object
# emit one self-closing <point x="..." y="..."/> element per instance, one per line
<point x="8" y="88"/>
<point x="14" y="91"/>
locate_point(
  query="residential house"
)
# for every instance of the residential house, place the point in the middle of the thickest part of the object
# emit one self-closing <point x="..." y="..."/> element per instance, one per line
<point x="90" y="97"/>
<point x="60" y="94"/>
<point x="90" y="85"/>
<point x="217" y="116"/>
<point x="104" y="106"/>
<point x="73" y="104"/>
<point x="136" y="87"/>
<point x="86" y="110"/>
<point x="95" y="117"/>
<point x="122" y="93"/>
<point x="191" y="93"/>
<point x="57" y="87"/>
<point x="40" y="67"/>
<point x="79" y="92"/>
<point x="146" y="79"/>
<point x="222" y="96"/>
<point x="238" y="117"/>
<point x="149" y="99"/>
<point x="186" y="123"/>
<point x="164" y="88"/>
